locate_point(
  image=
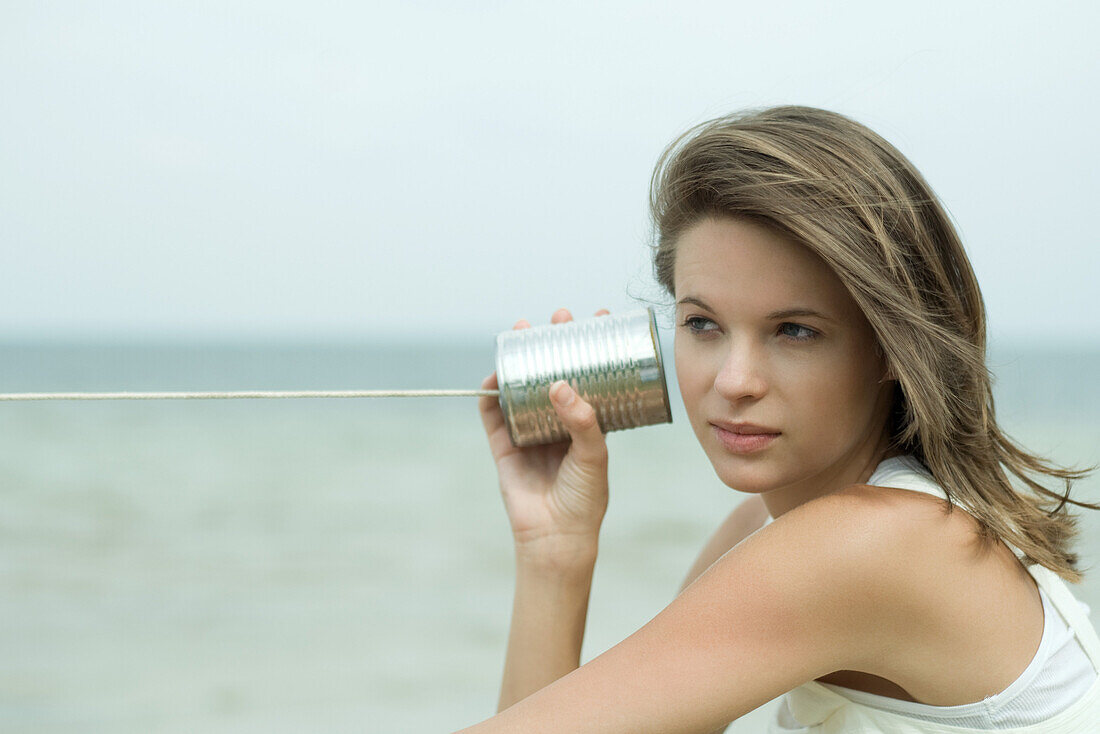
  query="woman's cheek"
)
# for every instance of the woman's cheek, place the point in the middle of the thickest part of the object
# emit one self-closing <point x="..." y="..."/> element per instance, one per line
<point x="828" y="397"/>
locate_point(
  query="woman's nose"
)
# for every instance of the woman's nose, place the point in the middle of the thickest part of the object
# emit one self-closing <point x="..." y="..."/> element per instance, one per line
<point x="741" y="374"/>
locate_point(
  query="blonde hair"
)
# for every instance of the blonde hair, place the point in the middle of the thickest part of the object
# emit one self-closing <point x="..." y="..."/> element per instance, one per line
<point x="841" y="190"/>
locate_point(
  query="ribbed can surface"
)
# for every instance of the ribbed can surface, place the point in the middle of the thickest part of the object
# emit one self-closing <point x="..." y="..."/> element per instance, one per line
<point x="613" y="362"/>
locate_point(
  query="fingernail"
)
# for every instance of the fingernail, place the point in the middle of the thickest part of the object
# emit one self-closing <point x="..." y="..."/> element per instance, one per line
<point x="563" y="395"/>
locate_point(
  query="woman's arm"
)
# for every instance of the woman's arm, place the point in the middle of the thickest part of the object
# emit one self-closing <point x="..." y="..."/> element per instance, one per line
<point x="814" y="592"/>
<point x="548" y="619"/>
<point x="748" y="517"/>
<point x="556" y="530"/>
<point x="555" y="496"/>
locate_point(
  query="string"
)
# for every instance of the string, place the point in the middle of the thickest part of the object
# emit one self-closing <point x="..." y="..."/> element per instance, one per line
<point x="253" y="394"/>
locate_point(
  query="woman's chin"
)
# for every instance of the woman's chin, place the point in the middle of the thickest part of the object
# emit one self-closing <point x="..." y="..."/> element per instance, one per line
<point x="749" y="481"/>
<point x="755" y="472"/>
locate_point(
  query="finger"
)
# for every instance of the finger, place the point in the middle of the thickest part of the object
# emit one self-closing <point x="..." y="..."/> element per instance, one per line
<point x="579" y="418"/>
<point x="561" y="316"/>
<point x="522" y="324"/>
<point x="490" y="382"/>
<point x="603" y="312"/>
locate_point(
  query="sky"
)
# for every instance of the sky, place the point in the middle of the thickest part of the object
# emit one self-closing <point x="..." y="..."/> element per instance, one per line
<point x="419" y="170"/>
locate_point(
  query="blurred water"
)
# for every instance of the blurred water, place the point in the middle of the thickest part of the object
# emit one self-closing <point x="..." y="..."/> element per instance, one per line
<point x="330" y="565"/>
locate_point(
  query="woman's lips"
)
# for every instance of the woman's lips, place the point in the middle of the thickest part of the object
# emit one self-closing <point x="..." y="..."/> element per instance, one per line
<point x="743" y="443"/>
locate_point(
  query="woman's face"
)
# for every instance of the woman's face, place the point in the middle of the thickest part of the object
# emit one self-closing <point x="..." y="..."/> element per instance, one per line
<point x="766" y="334"/>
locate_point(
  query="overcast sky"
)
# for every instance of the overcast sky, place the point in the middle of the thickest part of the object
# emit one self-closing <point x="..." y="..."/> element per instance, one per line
<point x="410" y="169"/>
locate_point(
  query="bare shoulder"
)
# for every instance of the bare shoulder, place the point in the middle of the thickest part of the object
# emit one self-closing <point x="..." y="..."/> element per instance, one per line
<point x="843" y="565"/>
<point x="861" y="527"/>
<point x="928" y="588"/>
<point x="902" y="520"/>
<point x="907" y="543"/>
<point x="919" y="529"/>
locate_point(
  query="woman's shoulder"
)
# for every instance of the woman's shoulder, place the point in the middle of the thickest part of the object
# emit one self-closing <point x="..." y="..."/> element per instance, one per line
<point x="929" y="583"/>
<point x="872" y="519"/>
<point x="865" y="542"/>
<point x="911" y="536"/>
<point x="922" y="526"/>
<point x="912" y="551"/>
<point x="906" y="554"/>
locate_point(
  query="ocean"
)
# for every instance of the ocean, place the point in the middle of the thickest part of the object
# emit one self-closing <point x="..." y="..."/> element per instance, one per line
<point x="334" y="565"/>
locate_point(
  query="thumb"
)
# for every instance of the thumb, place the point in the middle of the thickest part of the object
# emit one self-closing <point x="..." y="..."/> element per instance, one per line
<point x="579" y="418"/>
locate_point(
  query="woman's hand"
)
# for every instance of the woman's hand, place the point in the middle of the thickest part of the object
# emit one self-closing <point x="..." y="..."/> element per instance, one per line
<point x="556" y="494"/>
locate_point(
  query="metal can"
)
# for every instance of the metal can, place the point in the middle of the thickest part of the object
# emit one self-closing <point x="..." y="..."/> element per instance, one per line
<point x="613" y="362"/>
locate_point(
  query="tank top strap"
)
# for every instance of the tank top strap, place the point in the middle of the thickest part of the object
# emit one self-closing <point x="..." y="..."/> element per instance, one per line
<point x="906" y="472"/>
<point x="1071" y="610"/>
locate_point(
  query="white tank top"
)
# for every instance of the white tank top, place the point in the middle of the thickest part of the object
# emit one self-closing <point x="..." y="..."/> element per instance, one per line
<point x="1058" y="692"/>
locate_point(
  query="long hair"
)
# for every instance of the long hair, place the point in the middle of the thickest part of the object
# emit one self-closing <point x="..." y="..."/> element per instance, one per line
<point x="834" y="186"/>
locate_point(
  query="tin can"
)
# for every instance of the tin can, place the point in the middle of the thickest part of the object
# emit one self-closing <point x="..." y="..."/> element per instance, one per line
<point x="613" y="362"/>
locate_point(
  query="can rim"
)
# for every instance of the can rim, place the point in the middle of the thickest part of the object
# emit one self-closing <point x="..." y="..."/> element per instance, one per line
<point x="660" y="361"/>
<point x="502" y="396"/>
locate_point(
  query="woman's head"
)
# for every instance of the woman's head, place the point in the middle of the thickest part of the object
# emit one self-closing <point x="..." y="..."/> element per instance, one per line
<point x="835" y="187"/>
<point x="767" y="335"/>
<point x="818" y="180"/>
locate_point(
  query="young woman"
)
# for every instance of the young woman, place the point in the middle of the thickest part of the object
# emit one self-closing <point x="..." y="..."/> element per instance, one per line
<point x="830" y="350"/>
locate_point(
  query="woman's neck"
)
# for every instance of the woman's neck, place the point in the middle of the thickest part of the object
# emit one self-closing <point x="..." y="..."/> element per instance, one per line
<point x="856" y="469"/>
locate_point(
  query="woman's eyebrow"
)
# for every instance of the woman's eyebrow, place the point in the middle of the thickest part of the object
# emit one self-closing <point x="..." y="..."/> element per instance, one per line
<point x="797" y="311"/>
<point x="697" y="301"/>
<point x="780" y="314"/>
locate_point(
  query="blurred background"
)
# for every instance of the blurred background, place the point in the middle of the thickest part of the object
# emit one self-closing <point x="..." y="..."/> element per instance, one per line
<point x="339" y="196"/>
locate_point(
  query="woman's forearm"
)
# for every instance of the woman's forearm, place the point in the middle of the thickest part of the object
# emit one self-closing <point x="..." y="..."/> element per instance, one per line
<point x="548" y="619"/>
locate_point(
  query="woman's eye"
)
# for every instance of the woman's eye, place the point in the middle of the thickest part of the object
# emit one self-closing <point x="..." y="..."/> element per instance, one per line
<point x="697" y="324"/>
<point x="797" y="332"/>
